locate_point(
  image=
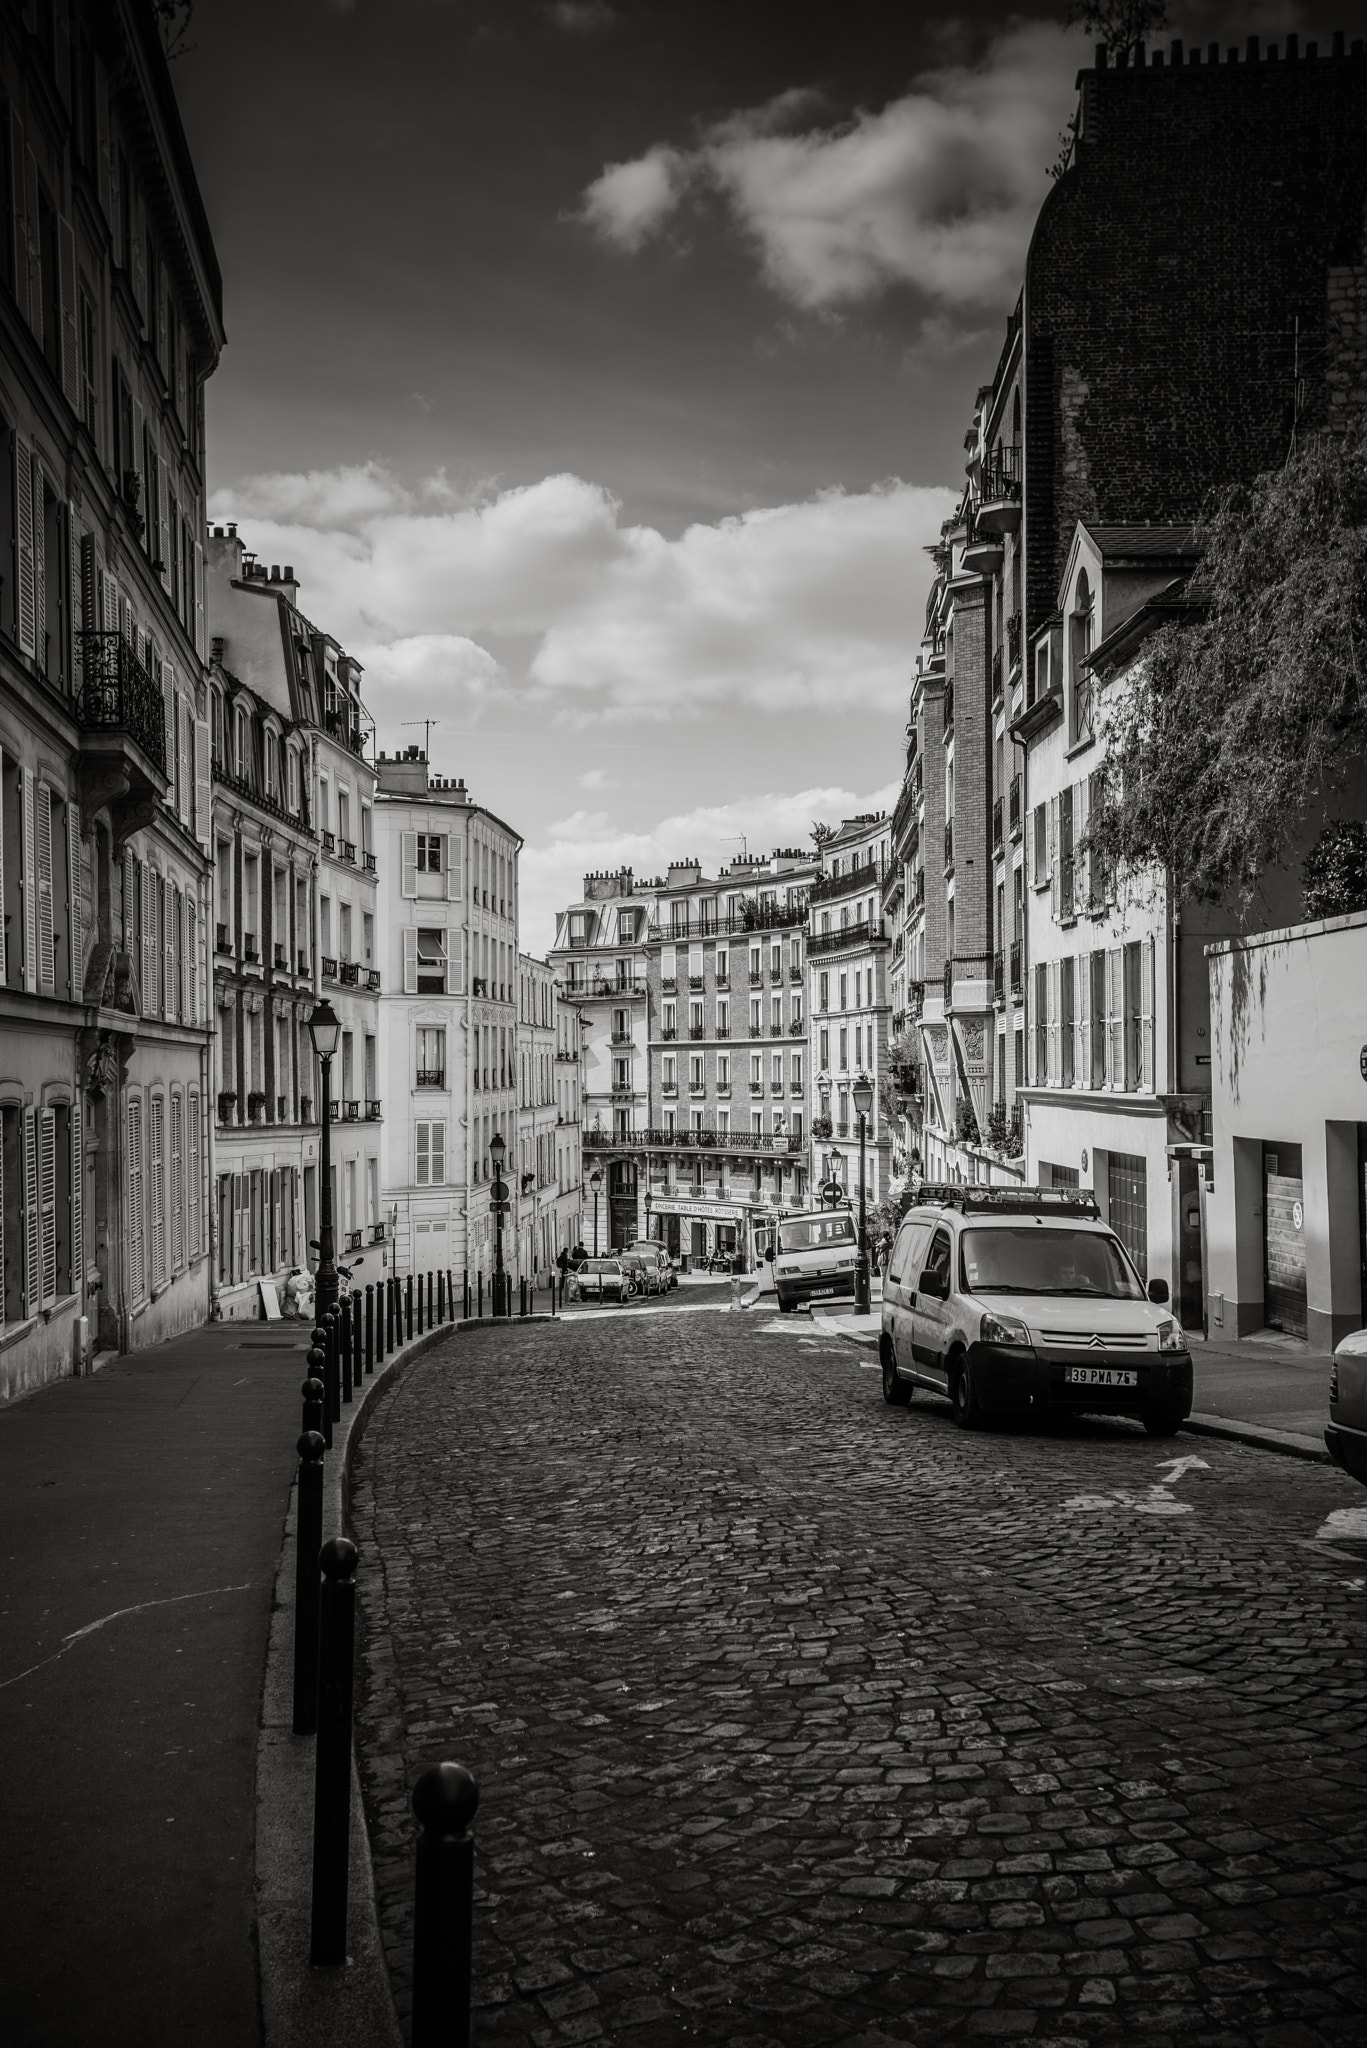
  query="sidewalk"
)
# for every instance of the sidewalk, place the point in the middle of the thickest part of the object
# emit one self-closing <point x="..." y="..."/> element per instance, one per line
<point x="141" y="1515"/>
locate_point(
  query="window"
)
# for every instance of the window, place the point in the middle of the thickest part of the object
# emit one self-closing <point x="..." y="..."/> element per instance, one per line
<point x="723" y="1070"/>
<point x="844" y="993"/>
<point x="621" y="1073"/>
<point x="1067" y="1021"/>
<point x="669" y="1071"/>
<point x="695" y="1016"/>
<point x="135" y="1241"/>
<point x="823" y="994"/>
<point x="756" y="1070"/>
<point x="723" y="1015"/>
<point x="756" y="1021"/>
<point x="177" y="1182"/>
<point x="824" y="1051"/>
<point x="844" y="1048"/>
<point x="429" y="853"/>
<point x="431" y="1071"/>
<point x="695" y="1079"/>
<point x="670" y="1018"/>
<point x="1040" y="869"/>
<point x="430" y="1160"/>
<point x="431" y="962"/>
<point x="797" y="1069"/>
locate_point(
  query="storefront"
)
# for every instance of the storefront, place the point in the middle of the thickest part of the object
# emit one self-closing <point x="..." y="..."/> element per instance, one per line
<point x="696" y="1227"/>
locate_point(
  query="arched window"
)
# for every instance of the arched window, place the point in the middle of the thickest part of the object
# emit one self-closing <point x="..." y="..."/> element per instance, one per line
<point x="1081" y="639"/>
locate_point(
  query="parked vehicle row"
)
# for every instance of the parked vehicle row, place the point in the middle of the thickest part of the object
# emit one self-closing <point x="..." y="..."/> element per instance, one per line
<point x="643" y="1269"/>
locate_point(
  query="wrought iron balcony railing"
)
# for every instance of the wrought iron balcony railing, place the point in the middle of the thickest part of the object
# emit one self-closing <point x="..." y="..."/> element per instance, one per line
<point x="1014" y="807"/>
<point x="118" y="695"/>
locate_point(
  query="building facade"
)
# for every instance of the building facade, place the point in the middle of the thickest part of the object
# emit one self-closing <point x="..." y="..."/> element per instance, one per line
<point x="448" y="1024"/>
<point x="294" y="918"/>
<point x="692" y="995"/>
<point x="850" y="1002"/>
<point x="547" y="1194"/>
<point x="110" y="322"/>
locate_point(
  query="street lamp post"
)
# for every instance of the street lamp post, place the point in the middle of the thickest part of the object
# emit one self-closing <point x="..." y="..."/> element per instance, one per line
<point x="647" y="1215"/>
<point x="325" y="1029"/>
<point x="499" y="1192"/>
<point x="863" y="1102"/>
<point x="595" y="1182"/>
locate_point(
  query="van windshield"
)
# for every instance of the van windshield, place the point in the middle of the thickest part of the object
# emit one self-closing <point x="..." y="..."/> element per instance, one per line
<point x="807" y="1233"/>
<point x="1035" y="1261"/>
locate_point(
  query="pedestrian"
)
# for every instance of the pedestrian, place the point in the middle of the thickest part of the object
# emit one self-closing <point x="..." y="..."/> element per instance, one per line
<point x="562" y="1260"/>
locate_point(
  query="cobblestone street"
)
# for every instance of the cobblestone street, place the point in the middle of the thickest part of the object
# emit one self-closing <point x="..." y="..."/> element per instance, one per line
<point x="803" y="1720"/>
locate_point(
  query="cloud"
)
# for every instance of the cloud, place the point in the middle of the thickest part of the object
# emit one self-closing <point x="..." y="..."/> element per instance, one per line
<point x="937" y="190"/>
<point x="595" y="778"/>
<point x="551" y="873"/>
<point x="540" y="597"/>
<point x="628" y="202"/>
<point x="582" y="17"/>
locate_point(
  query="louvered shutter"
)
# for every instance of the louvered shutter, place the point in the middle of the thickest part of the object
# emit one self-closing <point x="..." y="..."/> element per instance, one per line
<point x="170" y="900"/>
<point x="40" y="648"/>
<point x="128" y="901"/>
<point x="35" y="268"/>
<point x="1147" y="1008"/>
<point x="134" y="1238"/>
<point x="199" y="600"/>
<point x="47" y="964"/>
<point x="410" y="960"/>
<point x="1083" y="986"/>
<point x="47" y="1202"/>
<point x="164" y="521"/>
<point x="192" y="1179"/>
<point x="1115" y="1017"/>
<point x="66" y="275"/>
<point x="454" y="877"/>
<point x="148" y="968"/>
<point x="19" y="213"/>
<point x="4" y="976"/>
<point x="456" y="941"/>
<point x="111" y="602"/>
<point x="77" y="1197"/>
<point x="186" y="728"/>
<point x="408" y="861"/>
<point x="139" y="454"/>
<point x="168" y="705"/>
<point x="30" y="883"/>
<point x="156" y="1199"/>
<point x="32" y="1246"/>
<point x="1053" y="859"/>
<point x="203" y="791"/>
<point x="177" y="1183"/>
<point x="23" y="500"/>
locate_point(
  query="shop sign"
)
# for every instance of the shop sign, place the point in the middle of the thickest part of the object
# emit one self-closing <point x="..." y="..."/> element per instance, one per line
<point x="721" y="1212"/>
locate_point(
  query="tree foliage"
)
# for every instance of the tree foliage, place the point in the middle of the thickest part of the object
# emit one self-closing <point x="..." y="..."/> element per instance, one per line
<point x="1120" y="24"/>
<point x="1335" y="875"/>
<point x="173" y="18"/>
<point x="1243" y="715"/>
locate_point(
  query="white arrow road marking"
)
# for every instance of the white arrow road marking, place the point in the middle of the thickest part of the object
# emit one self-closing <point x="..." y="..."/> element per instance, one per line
<point x="1176" y="1467"/>
<point x="1157" y="1501"/>
<point x="1344" y="1522"/>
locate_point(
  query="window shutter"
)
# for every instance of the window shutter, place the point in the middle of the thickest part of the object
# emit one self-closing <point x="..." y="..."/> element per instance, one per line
<point x="47" y="1202"/>
<point x="23" y="499"/>
<point x="1148" y="1005"/>
<point x="170" y="914"/>
<point x="1115" y="1017"/>
<point x="203" y="792"/>
<point x="1053" y="859"/>
<point x="30" y="888"/>
<point x="111" y="603"/>
<point x="19" y="214"/>
<point x="410" y="960"/>
<point x="454" y="883"/>
<point x="438" y="1154"/>
<point x="35" y="268"/>
<point x="4" y="968"/>
<point x="47" y="963"/>
<point x="168" y="706"/>
<point x="32" y="1248"/>
<point x="199" y="600"/>
<point x="156" y="1203"/>
<point x="39" y="568"/>
<point x="164" y="521"/>
<point x="408" y="861"/>
<point x="1083" y="986"/>
<point x="421" y="1163"/>
<point x="137" y="1275"/>
<point x="77" y="1193"/>
<point x="66" y="275"/>
<point x="149" y="939"/>
<point x="455" y="941"/>
<point x="1082" y="859"/>
<point x="192" y="1187"/>
<point x="177" y="1184"/>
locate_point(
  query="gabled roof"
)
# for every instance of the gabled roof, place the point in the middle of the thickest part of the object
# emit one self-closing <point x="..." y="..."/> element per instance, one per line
<point x="1142" y="542"/>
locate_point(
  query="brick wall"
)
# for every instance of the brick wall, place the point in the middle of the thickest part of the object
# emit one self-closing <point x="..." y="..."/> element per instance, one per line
<point x="972" y="766"/>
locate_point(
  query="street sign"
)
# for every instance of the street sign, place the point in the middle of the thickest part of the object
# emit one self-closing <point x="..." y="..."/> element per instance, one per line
<point x="498" y="1193"/>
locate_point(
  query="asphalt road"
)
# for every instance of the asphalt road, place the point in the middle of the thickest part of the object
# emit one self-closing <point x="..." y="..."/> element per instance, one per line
<point x="802" y="1720"/>
<point x="141" y="1515"/>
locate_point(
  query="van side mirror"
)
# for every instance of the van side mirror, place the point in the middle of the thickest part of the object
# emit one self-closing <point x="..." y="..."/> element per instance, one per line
<point x="1158" y="1291"/>
<point x="931" y="1285"/>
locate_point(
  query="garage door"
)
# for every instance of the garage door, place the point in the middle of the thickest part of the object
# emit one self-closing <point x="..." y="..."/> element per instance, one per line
<point x="1283" y="1240"/>
<point x="1127" y="1187"/>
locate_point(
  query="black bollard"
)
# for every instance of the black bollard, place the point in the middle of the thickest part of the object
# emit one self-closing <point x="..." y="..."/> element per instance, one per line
<point x="320" y="1368"/>
<point x="429" y="1297"/>
<point x="332" y="1771"/>
<point x="357" y="1355"/>
<point x="522" y="1295"/>
<point x="465" y="1294"/>
<point x="313" y="1391"/>
<point x="408" y="1304"/>
<point x="388" y="1314"/>
<point x="333" y="1322"/>
<point x="445" y="1800"/>
<point x="480" y="1277"/>
<point x="369" y="1328"/>
<point x="441" y="1297"/>
<point x="420" y="1304"/>
<point x="344" y="1345"/>
<point x="309" y="1507"/>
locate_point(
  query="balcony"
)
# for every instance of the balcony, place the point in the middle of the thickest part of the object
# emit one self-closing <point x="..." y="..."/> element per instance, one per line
<point x="723" y="978"/>
<point x="982" y="551"/>
<point x="329" y="842"/>
<point x="797" y="1028"/>
<point x="796" y="1087"/>
<point x="668" y="984"/>
<point x="997" y="825"/>
<point x="1014" y="807"/>
<point x="949" y="846"/>
<point x="351" y="1111"/>
<point x="756" y="978"/>
<point x="670" y="1090"/>
<point x="999" y="504"/>
<point x="1015" y="967"/>
<point x="346" y="851"/>
<point x="695" y="981"/>
<point x="227" y="1103"/>
<point x="776" y="1087"/>
<point x="222" y="942"/>
<point x="722" y="1031"/>
<point x="250" y="951"/>
<point x="329" y="968"/>
<point x="368" y="863"/>
<point x="776" y="1029"/>
<point x="723" y="1091"/>
<point x="430" y="1077"/>
<point x="621" y="1038"/>
<point x="281" y="954"/>
<point x="372" y="978"/>
<point x="795" y="972"/>
<point x="998" y="978"/>
<point x="350" y="974"/>
<point x="695" y="1031"/>
<point x="703" y="1139"/>
<point x="670" y="1031"/>
<point x="119" y="701"/>
<point x="861" y="934"/>
<point x="757" y="1087"/>
<point x="622" y="1091"/>
<point x="372" y="1109"/>
<point x="377" y="1233"/>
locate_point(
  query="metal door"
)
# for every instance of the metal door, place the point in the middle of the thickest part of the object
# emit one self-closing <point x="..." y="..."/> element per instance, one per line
<point x="1283" y="1240"/>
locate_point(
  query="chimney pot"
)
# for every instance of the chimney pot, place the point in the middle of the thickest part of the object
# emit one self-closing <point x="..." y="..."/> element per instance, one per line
<point x="1338" y="42"/>
<point x="289" y="572"/>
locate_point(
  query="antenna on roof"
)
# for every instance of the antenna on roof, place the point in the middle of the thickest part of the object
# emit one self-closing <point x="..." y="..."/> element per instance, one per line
<point x="427" y="725"/>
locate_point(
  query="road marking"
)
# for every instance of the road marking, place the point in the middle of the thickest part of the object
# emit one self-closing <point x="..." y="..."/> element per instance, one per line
<point x="78" y="1634"/>
<point x="1176" y="1467"/>
<point x="1344" y="1522"/>
<point x="1157" y="1501"/>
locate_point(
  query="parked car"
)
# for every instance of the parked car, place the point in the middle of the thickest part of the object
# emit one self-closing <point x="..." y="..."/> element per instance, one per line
<point x="1346" y="1435"/>
<point x="603" y="1280"/>
<point x="815" y="1257"/>
<point x="1018" y="1300"/>
<point x="654" y="1252"/>
<point x="643" y="1271"/>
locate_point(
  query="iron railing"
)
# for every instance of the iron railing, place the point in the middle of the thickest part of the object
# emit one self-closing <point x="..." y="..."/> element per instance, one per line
<point x="1014" y="806"/>
<point x="860" y="934"/>
<point x="997" y="825"/>
<point x="1001" y="474"/>
<point x="1015" y="967"/>
<point x="118" y="695"/>
<point x="949" y="842"/>
<point x="430" y="1077"/>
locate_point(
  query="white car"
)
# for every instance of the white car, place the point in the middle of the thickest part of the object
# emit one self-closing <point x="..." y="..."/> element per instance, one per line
<point x="815" y="1257"/>
<point x="603" y="1280"/>
<point x="1019" y="1300"/>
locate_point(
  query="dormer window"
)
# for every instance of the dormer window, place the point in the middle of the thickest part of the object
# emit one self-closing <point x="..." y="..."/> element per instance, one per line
<point x="1081" y="639"/>
<point x="240" y="741"/>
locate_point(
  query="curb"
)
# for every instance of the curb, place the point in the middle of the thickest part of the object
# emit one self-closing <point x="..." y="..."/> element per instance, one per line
<point x="302" y="2007"/>
<point x="1259" y="1438"/>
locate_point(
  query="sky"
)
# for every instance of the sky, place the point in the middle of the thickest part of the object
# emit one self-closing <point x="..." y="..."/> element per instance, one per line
<point x="603" y="369"/>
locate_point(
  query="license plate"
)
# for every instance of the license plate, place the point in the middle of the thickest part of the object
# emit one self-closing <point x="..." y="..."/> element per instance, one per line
<point x="822" y="1290"/>
<point x="1100" y="1376"/>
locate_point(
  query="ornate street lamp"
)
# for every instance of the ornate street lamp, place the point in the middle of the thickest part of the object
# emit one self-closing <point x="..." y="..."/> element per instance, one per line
<point x="647" y="1212"/>
<point x="499" y="1195"/>
<point x="595" y="1182"/>
<point x="863" y="1103"/>
<point x="325" y="1029"/>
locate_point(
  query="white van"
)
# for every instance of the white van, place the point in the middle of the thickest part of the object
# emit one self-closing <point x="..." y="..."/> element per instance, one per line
<point x="815" y="1257"/>
<point x="1009" y="1300"/>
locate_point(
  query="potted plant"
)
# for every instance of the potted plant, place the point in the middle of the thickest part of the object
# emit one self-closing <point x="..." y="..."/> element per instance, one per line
<point x="256" y="1103"/>
<point x="227" y="1100"/>
<point x="822" y="1127"/>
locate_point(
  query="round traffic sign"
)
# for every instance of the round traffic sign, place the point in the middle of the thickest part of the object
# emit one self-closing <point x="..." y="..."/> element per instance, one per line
<point x="499" y="1191"/>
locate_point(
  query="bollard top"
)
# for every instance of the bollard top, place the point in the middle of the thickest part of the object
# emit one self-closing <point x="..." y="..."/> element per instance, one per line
<point x="317" y="1360"/>
<point x="319" y="1337"/>
<point x="337" y="1558"/>
<point x="445" y="1799"/>
<point x="311" y="1446"/>
<point x="313" y="1388"/>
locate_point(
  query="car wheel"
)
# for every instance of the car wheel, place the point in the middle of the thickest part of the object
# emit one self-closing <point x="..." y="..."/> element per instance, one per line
<point x="967" y="1409"/>
<point x="896" y="1392"/>
<point x="1162" y="1421"/>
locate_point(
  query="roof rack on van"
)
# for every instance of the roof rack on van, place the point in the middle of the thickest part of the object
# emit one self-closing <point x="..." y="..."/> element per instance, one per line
<point x="1011" y="1201"/>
